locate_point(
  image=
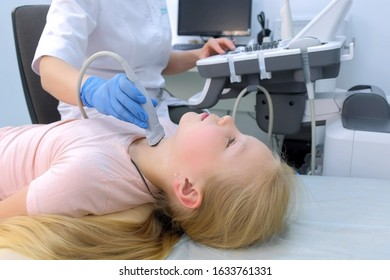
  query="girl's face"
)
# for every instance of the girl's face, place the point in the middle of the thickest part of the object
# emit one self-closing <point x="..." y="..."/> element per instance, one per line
<point x="207" y="144"/>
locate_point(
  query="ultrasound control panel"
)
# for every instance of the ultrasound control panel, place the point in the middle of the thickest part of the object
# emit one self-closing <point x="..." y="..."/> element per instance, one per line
<point x="263" y="46"/>
<point x="272" y="65"/>
<point x="277" y="65"/>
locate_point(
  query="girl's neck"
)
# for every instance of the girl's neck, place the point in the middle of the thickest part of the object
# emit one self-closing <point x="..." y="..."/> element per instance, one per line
<point x="150" y="160"/>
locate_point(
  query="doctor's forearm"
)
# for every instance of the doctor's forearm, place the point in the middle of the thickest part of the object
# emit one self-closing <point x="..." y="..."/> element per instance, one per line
<point x="59" y="79"/>
<point x="181" y="61"/>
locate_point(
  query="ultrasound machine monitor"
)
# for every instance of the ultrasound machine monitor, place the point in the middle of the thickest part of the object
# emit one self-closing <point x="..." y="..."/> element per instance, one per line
<point x="214" y="18"/>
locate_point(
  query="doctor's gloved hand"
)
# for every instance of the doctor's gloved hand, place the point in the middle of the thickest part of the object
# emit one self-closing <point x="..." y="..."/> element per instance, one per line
<point x="117" y="97"/>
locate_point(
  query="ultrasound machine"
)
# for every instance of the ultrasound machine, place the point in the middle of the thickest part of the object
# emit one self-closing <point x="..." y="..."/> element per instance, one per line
<point x="283" y="74"/>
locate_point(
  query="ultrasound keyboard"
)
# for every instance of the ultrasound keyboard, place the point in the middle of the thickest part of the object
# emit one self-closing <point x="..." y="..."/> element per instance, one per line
<point x="263" y="46"/>
<point x="186" y="47"/>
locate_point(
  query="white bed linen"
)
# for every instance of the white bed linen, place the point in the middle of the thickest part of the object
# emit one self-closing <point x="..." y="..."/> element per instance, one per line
<point x="338" y="218"/>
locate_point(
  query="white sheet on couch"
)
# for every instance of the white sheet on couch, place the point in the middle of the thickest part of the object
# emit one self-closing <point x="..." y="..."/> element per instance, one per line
<point x="338" y="218"/>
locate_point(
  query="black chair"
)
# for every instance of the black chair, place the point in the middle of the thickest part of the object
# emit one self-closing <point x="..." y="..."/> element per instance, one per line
<point x="28" y="22"/>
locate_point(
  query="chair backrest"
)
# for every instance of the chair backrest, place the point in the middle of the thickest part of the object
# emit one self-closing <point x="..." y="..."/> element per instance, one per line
<point x="28" y="22"/>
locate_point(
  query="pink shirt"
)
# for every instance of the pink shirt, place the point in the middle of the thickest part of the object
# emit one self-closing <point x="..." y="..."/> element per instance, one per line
<point x="74" y="168"/>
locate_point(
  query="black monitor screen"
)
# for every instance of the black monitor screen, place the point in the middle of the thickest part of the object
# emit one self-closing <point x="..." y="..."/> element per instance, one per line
<point x="214" y="17"/>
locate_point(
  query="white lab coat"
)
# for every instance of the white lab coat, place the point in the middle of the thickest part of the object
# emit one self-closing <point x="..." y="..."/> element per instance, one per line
<point x="137" y="30"/>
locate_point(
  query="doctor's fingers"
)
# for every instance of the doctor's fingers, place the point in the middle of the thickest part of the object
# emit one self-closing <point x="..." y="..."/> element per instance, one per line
<point x="225" y="42"/>
<point x="213" y="47"/>
<point x="128" y="89"/>
<point x="220" y="45"/>
<point x="126" y="109"/>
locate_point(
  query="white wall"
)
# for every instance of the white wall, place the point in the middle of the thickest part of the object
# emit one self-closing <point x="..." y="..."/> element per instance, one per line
<point x="368" y="23"/>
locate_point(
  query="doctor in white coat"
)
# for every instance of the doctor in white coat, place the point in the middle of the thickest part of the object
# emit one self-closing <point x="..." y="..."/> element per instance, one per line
<point x="137" y="30"/>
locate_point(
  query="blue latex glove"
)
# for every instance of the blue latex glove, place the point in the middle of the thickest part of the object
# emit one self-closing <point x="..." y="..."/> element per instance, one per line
<point x="117" y="97"/>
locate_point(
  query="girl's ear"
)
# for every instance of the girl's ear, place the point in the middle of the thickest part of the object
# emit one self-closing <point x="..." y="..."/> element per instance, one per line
<point x="188" y="194"/>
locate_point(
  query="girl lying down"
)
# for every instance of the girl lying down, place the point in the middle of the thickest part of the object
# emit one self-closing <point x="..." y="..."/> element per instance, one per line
<point x="60" y="182"/>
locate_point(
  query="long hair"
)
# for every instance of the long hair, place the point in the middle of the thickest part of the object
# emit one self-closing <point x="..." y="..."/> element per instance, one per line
<point x="237" y="210"/>
<point x="96" y="237"/>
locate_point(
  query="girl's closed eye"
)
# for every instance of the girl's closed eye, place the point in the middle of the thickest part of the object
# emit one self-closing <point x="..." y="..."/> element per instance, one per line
<point x="230" y="141"/>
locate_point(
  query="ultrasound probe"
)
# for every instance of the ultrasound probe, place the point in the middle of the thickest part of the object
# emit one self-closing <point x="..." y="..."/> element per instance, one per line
<point x="154" y="131"/>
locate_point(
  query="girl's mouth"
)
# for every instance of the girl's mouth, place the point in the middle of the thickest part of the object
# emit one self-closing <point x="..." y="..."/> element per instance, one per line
<point x="204" y="116"/>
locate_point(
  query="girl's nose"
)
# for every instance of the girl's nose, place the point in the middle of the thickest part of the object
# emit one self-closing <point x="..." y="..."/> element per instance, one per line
<point x="226" y="120"/>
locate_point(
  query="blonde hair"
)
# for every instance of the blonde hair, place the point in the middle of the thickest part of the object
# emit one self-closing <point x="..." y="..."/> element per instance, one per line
<point x="237" y="210"/>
